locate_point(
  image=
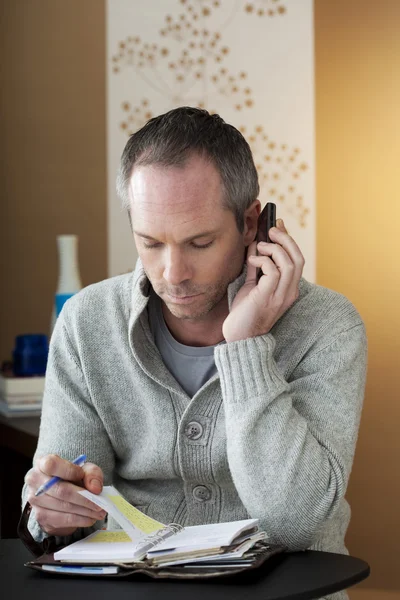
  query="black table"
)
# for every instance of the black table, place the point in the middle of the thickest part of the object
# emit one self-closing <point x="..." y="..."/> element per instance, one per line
<point x="298" y="576"/>
<point x="18" y="441"/>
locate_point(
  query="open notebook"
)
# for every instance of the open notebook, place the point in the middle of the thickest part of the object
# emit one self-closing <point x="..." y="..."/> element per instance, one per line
<point x="142" y="536"/>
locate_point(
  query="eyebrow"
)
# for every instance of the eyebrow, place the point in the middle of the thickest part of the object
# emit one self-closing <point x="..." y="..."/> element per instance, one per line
<point x="188" y="239"/>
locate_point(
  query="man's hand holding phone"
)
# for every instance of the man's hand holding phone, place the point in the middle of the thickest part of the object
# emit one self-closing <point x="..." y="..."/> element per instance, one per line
<point x="262" y="301"/>
<point x="62" y="509"/>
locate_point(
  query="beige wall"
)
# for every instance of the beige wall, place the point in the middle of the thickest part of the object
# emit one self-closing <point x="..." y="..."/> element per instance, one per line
<point x="53" y="162"/>
<point x="358" y="243"/>
<point x="53" y="174"/>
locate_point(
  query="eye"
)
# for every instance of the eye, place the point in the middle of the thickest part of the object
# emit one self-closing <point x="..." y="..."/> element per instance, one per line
<point x="196" y="246"/>
<point x="202" y="246"/>
<point x="149" y="246"/>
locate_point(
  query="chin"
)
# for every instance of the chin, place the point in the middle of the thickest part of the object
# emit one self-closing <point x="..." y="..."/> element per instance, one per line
<point x="187" y="313"/>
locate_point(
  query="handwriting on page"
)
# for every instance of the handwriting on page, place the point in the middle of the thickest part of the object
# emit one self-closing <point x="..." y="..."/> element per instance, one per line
<point x="137" y="518"/>
<point x="110" y="537"/>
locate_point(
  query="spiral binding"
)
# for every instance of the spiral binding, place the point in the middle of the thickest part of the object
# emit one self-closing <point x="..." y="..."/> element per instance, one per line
<point x="159" y="536"/>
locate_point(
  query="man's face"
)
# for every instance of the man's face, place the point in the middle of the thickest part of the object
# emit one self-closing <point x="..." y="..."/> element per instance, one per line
<point x="188" y="243"/>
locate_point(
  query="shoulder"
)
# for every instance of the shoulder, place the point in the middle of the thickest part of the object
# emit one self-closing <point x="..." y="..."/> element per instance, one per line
<point x="97" y="303"/>
<point x="318" y="317"/>
<point x="325" y="306"/>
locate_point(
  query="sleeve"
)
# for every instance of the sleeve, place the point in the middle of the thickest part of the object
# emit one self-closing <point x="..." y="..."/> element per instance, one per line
<point x="70" y="424"/>
<point x="291" y="444"/>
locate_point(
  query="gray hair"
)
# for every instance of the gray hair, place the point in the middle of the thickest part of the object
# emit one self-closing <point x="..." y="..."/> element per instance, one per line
<point x="170" y="139"/>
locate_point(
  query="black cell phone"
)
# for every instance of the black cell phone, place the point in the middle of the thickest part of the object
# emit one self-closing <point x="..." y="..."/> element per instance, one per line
<point x="266" y="220"/>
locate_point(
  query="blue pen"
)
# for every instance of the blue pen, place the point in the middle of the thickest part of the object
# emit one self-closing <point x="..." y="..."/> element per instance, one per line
<point x="46" y="486"/>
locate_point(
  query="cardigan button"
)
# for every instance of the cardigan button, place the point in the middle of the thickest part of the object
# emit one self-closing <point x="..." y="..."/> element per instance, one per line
<point x="201" y="493"/>
<point x="194" y="430"/>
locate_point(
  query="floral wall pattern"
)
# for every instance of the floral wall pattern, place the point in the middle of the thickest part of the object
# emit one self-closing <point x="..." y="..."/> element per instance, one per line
<point x="251" y="62"/>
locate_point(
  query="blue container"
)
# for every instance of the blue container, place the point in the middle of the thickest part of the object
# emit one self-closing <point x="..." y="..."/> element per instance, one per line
<point x="30" y="355"/>
<point x="61" y="300"/>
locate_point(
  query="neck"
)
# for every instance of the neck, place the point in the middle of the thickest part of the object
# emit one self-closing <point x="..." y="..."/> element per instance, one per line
<point x="204" y="331"/>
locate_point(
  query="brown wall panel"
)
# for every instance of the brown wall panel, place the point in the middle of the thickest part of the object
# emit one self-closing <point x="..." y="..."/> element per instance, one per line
<point x="53" y="153"/>
<point x="357" y="53"/>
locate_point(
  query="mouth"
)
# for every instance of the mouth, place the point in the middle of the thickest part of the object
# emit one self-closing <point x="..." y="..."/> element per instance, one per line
<point x="182" y="299"/>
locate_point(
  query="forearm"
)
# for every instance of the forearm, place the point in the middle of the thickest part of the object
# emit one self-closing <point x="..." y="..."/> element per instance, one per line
<point x="284" y="476"/>
<point x="70" y="424"/>
<point x="290" y="444"/>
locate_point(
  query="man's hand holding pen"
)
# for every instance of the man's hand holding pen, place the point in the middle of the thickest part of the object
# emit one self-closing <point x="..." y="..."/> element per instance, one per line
<point x="61" y="510"/>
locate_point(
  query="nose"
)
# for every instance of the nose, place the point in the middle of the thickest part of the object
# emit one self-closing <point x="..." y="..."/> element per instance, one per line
<point x="176" y="269"/>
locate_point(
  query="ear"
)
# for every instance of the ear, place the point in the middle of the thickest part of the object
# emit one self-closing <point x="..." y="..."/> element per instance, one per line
<point x="250" y="222"/>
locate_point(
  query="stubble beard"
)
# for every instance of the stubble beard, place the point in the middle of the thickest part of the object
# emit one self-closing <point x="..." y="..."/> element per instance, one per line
<point x="212" y="297"/>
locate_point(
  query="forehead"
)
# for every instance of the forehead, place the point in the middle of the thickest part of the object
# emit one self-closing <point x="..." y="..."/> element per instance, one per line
<point x="192" y="188"/>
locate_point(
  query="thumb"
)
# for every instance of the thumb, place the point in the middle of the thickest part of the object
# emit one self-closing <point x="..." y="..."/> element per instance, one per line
<point x="251" y="270"/>
<point x="93" y="478"/>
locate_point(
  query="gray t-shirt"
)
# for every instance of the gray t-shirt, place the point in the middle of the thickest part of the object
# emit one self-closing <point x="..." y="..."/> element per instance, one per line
<point x="191" y="366"/>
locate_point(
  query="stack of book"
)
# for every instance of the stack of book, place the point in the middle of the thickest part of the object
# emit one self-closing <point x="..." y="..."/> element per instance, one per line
<point x="21" y="396"/>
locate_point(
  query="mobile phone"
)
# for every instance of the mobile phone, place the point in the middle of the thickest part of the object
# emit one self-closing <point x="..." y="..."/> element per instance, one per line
<point x="266" y="220"/>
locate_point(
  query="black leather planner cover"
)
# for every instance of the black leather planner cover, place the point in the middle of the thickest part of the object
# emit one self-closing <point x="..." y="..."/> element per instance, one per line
<point x="266" y="555"/>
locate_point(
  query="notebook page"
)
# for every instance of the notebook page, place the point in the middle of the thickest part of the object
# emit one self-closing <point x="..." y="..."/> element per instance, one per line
<point x="109" y="537"/>
<point x="169" y="557"/>
<point x="135" y="523"/>
<point x="100" y="546"/>
<point x="214" y="535"/>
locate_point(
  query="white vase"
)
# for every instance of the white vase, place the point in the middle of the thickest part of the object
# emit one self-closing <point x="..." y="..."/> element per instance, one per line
<point x="69" y="280"/>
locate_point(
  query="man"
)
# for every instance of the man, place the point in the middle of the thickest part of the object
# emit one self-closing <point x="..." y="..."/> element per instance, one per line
<point x="202" y="393"/>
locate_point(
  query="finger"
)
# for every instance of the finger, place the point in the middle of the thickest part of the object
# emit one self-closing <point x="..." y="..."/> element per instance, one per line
<point x="93" y="478"/>
<point x="270" y="275"/>
<point x="283" y="239"/>
<point x="281" y="225"/>
<point x="35" y="478"/>
<point x="286" y="291"/>
<point x="57" y="505"/>
<point x="285" y="267"/>
<point x="251" y="270"/>
<point x="65" y="491"/>
<point x="292" y="249"/>
<point x="56" y="521"/>
<point x="53" y="465"/>
<point x="259" y="261"/>
<point x="274" y="251"/>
